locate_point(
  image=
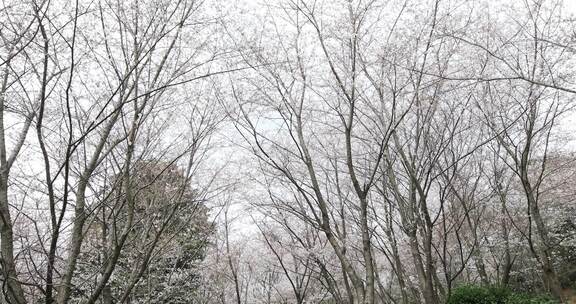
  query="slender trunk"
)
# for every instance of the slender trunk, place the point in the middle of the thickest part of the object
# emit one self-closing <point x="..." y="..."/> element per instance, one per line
<point x="80" y="215"/>
<point x="476" y="253"/>
<point x="12" y="290"/>
<point x="429" y="290"/>
<point x="107" y="295"/>
<point x="549" y="274"/>
<point x="480" y="267"/>
<point x="368" y="293"/>
<point x="542" y="250"/>
<point x="11" y="287"/>
<point x="430" y="270"/>
<point x="507" y="263"/>
<point x="398" y="266"/>
<point x="425" y="285"/>
<point x="400" y="274"/>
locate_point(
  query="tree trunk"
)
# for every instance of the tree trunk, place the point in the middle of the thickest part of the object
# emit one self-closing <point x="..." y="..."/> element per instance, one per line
<point x="542" y="250"/>
<point x="12" y="289"/>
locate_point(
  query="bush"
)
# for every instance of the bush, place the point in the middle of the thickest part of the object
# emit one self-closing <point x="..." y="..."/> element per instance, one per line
<point x="522" y="298"/>
<point x="471" y="294"/>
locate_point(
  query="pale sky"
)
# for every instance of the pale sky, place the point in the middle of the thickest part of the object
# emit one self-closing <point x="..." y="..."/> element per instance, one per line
<point x="570" y="6"/>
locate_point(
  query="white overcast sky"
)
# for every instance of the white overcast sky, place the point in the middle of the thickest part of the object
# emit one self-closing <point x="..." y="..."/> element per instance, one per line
<point x="571" y="6"/>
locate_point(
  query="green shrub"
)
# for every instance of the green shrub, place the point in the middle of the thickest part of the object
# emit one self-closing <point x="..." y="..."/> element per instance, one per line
<point x="522" y="298"/>
<point x="471" y="294"/>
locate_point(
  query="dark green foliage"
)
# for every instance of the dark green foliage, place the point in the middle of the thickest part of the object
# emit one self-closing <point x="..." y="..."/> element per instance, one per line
<point x="523" y="298"/>
<point x="164" y="199"/>
<point x="471" y="294"/>
<point x="565" y="252"/>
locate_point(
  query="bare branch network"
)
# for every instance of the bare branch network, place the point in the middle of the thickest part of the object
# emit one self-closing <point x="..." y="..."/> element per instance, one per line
<point x="287" y="151"/>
